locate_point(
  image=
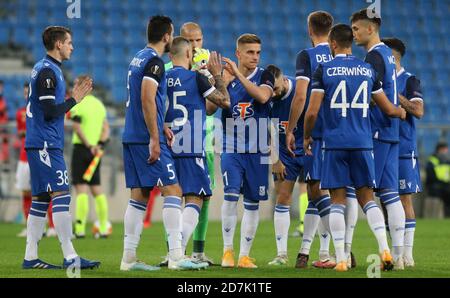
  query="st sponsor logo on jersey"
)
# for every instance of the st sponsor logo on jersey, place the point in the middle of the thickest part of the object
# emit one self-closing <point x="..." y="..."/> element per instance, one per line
<point x="243" y="110"/>
<point x="283" y="126"/>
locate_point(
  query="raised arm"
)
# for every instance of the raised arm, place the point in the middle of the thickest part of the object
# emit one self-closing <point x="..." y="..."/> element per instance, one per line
<point x="46" y="89"/>
<point x="262" y="92"/>
<point x="217" y="96"/>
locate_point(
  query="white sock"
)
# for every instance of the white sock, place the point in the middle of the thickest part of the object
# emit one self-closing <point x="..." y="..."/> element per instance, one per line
<point x="133" y="223"/>
<point x="35" y="228"/>
<point x="173" y="223"/>
<point x="324" y="237"/>
<point x="249" y="225"/>
<point x="310" y="224"/>
<point x="337" y="225"/>
<point x="63" y="224"/>
<point x="351" y="218"/>
<point x="376" y="222"/>
<point x="410" y="228"/>
<point x="396" y="220"/>
<point x="282" y="221"/>
<point x="229" y="220"/>
<point x="191" y="213"/>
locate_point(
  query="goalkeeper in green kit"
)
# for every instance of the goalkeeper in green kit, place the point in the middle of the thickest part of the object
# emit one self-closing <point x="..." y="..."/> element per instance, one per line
<point x="193" y="33"/>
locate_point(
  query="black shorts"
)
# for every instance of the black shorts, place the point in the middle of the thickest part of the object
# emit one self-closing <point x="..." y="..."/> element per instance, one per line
<point x="81" y="158"/>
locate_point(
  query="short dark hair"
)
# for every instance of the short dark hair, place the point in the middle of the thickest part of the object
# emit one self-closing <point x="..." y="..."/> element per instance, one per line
<point x="362" y="15"/>
<point x="177" y="45"/>
<point x="274" y="70"/>
<point x="158" y="26"/>
<point x="26" y="84"/>
<point x="441" y="145"/>
<point x="320" y="22"/>
<point x="342" y="34"/>
<point x="1" y="82"/>
<point x="52" y="34"/>
<point x="395" y="44"/>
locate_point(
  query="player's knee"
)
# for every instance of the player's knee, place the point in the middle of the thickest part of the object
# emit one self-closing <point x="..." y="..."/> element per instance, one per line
<point x="407" y="206"/>
<point x="172" y="190"/>
<point x="96" y="190"/>
<point x="194" y="200"/>
<point x="284" y="197"/>
<point x="314" y="190"/>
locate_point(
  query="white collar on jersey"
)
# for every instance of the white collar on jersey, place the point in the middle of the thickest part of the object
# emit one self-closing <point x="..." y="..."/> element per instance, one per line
<point x="289" y="90"/>
<point x="378" y="44"/>
<point x="322" y="44"/>
<point x="402" y="70"/>
<point x="253" y="73"/>
<point x="341" y="55"/>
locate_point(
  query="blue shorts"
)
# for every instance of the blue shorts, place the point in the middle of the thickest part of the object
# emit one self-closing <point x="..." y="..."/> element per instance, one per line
<point x="313" y="164"/>
<point x="409" y="176"/>
<point x="341" y="168"/>
<point x="294" y="166"/>
<point x="246" y="174"/>
<point x="140" y="174"/>
<point x="386" y="165"/>
<point x="192" y="173"/>
<point x="47" y="170"/>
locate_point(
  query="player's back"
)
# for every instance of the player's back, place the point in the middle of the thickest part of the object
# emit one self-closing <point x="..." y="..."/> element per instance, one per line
<point x="186" y="113"/>
<point x="312" y="58"/>
<point x="408" y="86"/>
<point x="348" y="83"/>
<point x="248" y="116"/>
<point x="384" y="128"/>
<point x="42" y="133"/>
<point x="136" y="131"/>
<point x="280" y="110"/>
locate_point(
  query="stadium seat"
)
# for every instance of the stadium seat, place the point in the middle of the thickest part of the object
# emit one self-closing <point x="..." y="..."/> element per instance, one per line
<point x="4" y="35"/>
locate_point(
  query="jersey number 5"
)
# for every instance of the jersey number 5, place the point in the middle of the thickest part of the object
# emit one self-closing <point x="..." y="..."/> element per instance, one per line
<point x="176" y="106"/>
<point x="344" y="105"/>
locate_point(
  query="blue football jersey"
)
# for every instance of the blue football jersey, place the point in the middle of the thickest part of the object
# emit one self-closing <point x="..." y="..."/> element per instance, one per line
<point x="186" y="114"/>
<point x="307" y="62"/>
<point x="384" y="128"/>
<point x="280" y="110"/>
<point x="41" y="133"/>
<point x="408" y="86"/>
<point x="248" y="120"/>
<point x="146" y="65"/>
<point x="348" y="84"/>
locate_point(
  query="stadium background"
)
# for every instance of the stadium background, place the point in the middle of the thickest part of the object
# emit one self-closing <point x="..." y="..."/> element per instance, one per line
<point x="109" y="33"/>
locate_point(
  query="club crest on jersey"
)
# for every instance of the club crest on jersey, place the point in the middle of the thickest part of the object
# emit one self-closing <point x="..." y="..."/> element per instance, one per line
<point x="45" y="158"/>
<point x="243" y="110"/>
<point x="262" y="190"/>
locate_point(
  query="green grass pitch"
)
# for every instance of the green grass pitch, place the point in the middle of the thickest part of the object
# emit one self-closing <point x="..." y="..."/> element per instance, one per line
<point x="431" y="254"/>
